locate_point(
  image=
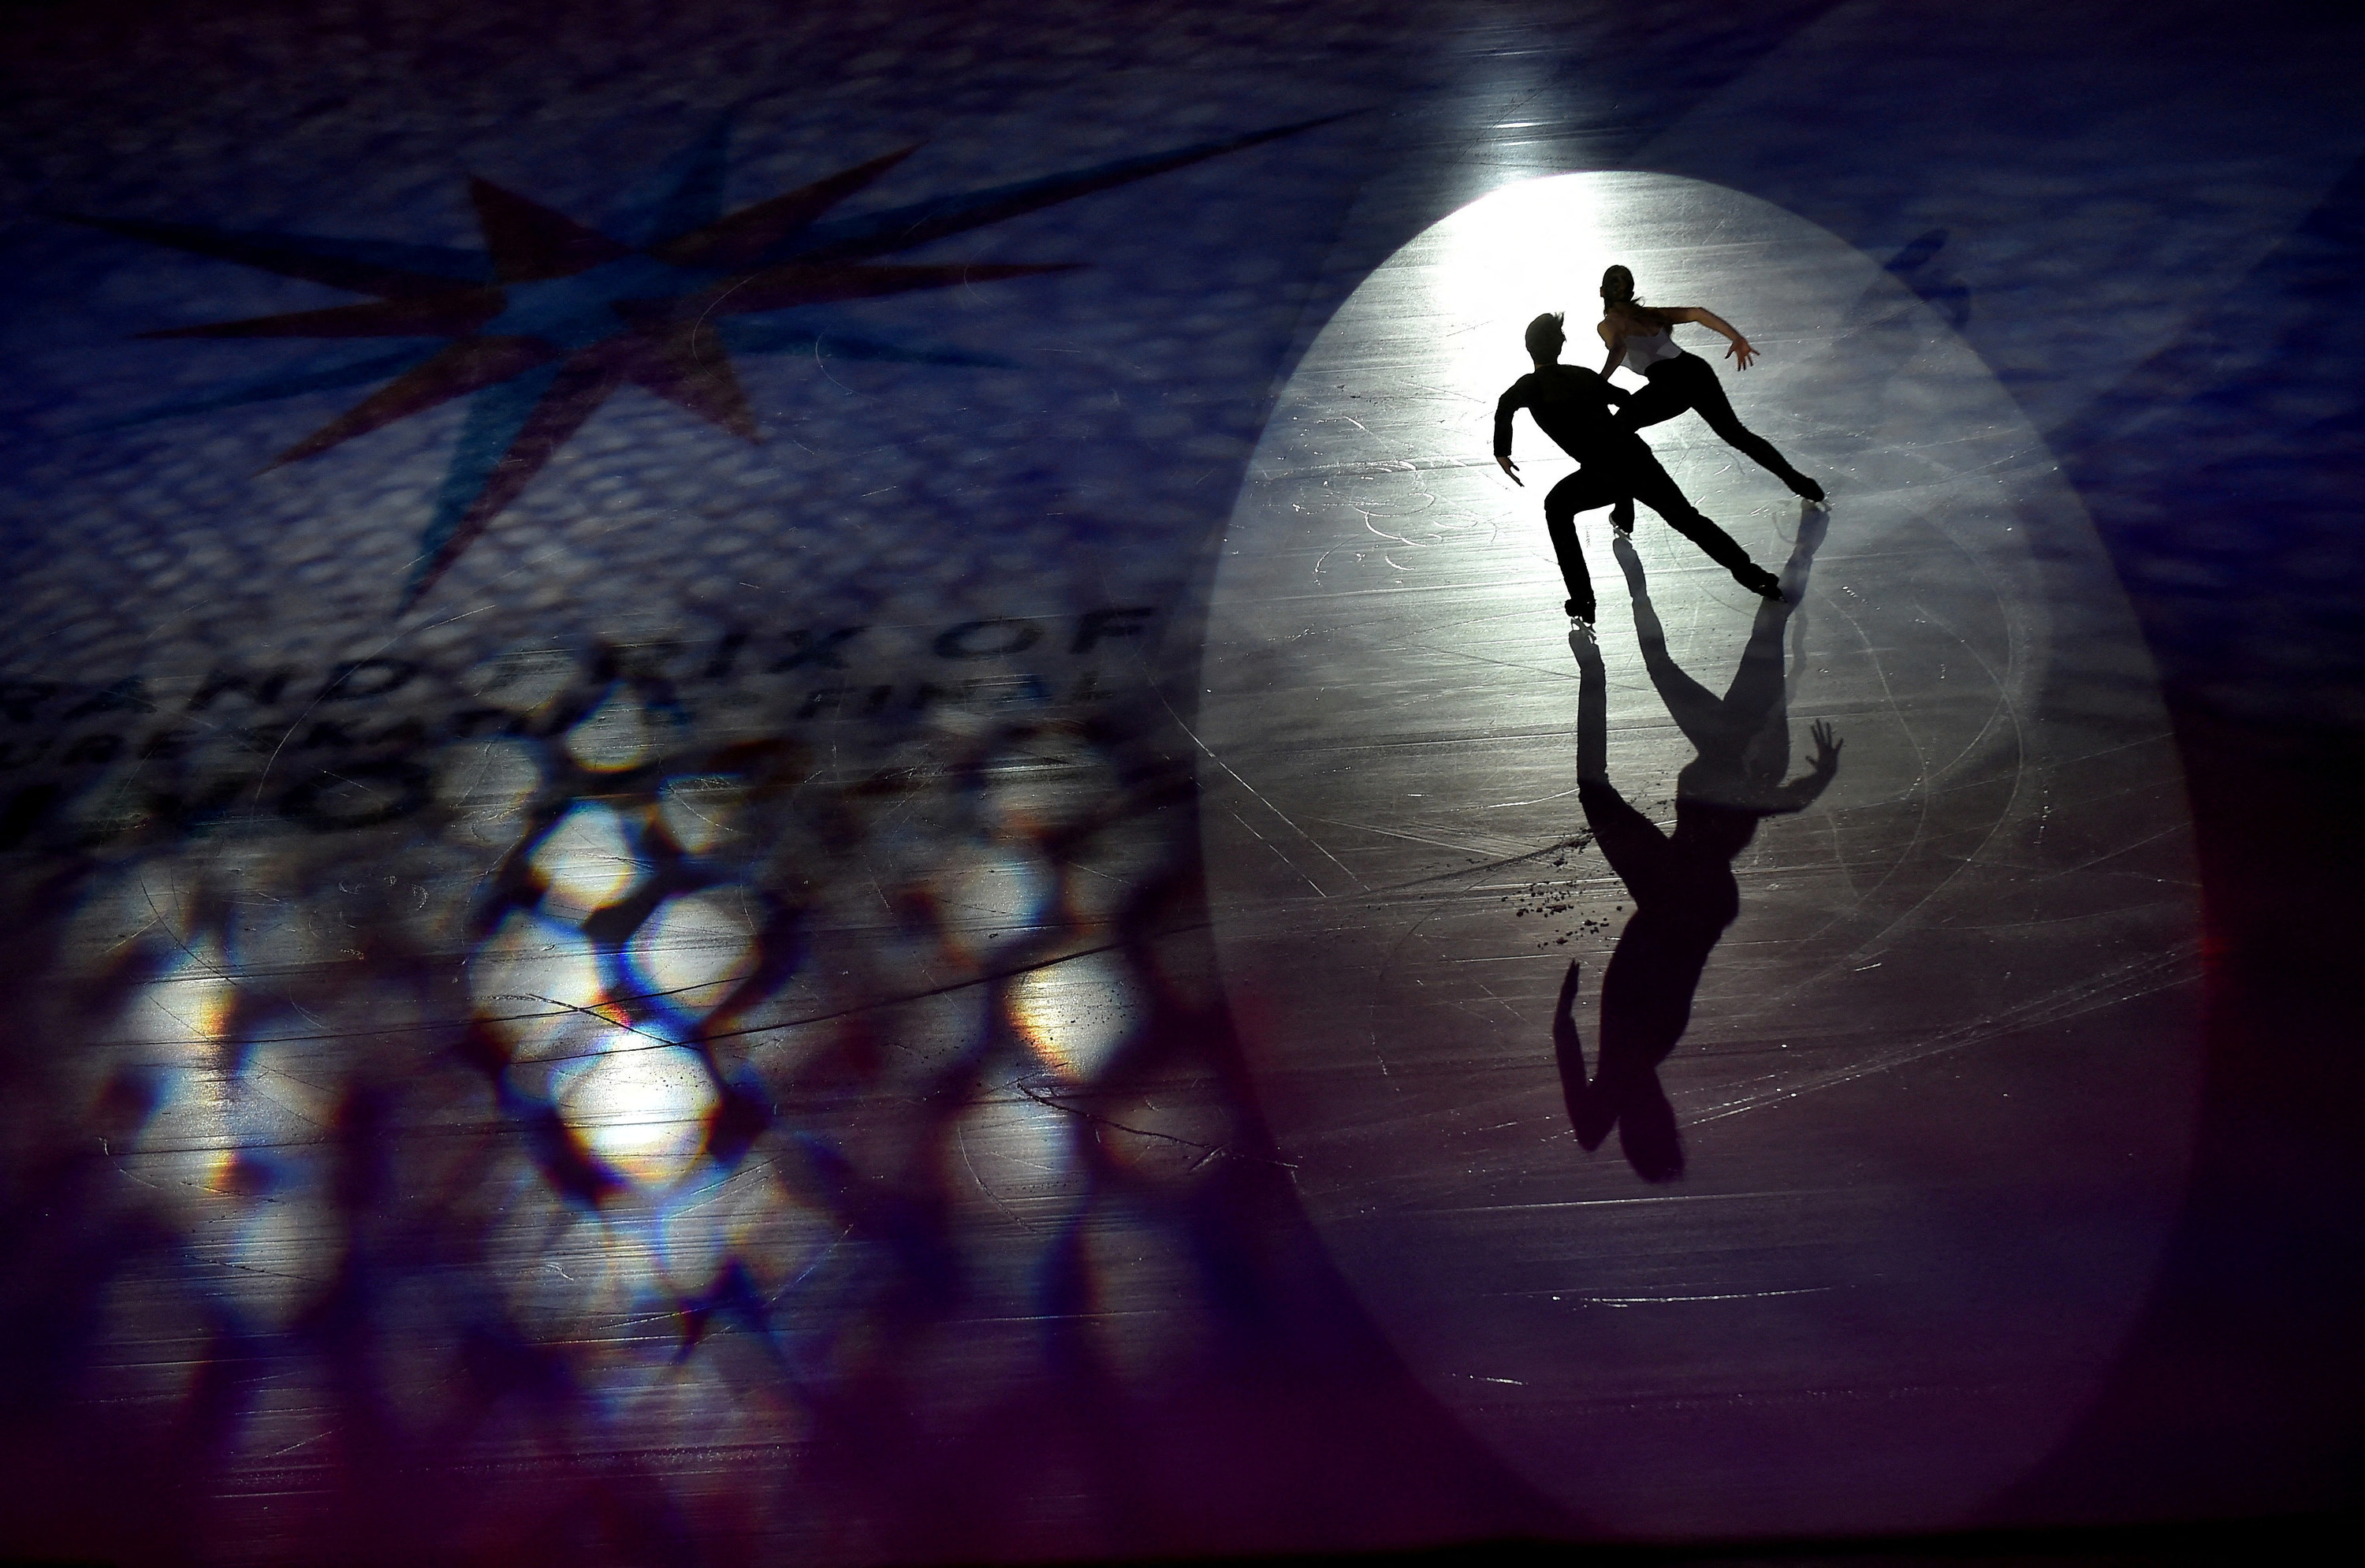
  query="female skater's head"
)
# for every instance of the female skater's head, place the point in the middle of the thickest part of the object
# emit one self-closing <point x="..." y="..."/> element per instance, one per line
<point x="1618" y="298"/>
<point x="1545" y="337"/>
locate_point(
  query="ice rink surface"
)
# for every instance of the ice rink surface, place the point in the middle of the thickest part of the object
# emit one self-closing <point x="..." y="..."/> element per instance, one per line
<point x="788" y="783"/>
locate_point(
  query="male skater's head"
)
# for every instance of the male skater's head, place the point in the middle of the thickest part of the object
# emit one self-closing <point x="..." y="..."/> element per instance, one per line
<point x="1544" y="338"/>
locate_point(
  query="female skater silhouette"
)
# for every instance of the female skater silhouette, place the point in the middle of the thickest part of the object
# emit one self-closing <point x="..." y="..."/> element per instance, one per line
<point x="1682" y="884"/>
<point x="1643" y="337"/>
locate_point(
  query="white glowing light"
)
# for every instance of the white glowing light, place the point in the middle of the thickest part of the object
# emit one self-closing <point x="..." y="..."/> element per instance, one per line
<point x="612" y="736"/>
<point x="695" y="947"/>
<point x="1505" y="260"/>
<point x="641" y="1108"/>
<point x="586" y="862"/>
<point x="697" y="811"/>
<point x="532" y="978"/>
<point x="1076" y="1014"/>
<point x="188" y="1004"/>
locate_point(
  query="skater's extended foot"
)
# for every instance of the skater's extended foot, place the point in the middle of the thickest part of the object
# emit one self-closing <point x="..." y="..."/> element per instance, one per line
<point x="1580" y="616"/>
<point x="1802" y="486"/>
<point x="1759" y="581"/>
<point x="1621" y="516"/>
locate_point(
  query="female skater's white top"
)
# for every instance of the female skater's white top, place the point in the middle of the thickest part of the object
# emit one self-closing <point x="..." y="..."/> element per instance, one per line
<point x="1644" y="352"/>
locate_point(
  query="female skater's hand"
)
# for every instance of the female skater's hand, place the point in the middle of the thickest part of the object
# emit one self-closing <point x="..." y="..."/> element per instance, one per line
<point x="1740" y="351"/>
<point x="1513" y="470"/>
<point x="1827" y="747"/>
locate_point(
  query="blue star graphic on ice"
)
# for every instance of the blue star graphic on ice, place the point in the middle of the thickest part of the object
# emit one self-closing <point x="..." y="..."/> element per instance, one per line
<point x="553" y="315"/>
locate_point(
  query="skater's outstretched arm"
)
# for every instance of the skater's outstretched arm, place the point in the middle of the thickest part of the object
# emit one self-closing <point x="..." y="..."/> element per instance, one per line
<point x="1737" y="347"/>
<point x="1800" y="793"/>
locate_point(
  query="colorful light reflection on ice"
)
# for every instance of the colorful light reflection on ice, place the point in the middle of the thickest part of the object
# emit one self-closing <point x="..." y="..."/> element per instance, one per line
<point x="639" y="1108"/>
<point x="1077" y="1014"/>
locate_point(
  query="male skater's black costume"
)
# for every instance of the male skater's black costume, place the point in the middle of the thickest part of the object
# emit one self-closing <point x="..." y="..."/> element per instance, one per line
<point x="1572" y="405"/>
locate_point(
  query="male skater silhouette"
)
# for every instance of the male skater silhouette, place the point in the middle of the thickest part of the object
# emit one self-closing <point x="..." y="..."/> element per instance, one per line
<point x="1682" y="883"/>
<point x="1571" y="404"/>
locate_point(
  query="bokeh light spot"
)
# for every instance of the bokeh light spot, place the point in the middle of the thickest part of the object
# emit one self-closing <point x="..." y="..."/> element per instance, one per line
<point x="695" y="948"/>
<point x="699" y="810"/>
<point x="1075" y="1014"/>
<point x="997" y="899"/>
<point x="611" y="737"/>
<point x="640" y="1108"/>
<point x="586" y="862"/>
<point x="485" y="788"/>
<point x="531" y="975"/>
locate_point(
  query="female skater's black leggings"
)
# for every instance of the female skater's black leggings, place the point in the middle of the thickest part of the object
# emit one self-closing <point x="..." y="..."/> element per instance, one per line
<point x="1689" y="381"/>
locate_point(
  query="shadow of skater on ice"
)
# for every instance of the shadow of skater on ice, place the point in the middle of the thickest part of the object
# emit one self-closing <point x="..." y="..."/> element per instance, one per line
<point x="1681" y="883"/>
